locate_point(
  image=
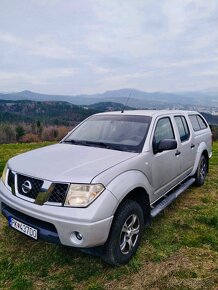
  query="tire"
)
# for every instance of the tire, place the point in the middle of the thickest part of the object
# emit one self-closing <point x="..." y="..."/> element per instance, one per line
<point x="201" y="172"/>
<point x="125" y="234"/>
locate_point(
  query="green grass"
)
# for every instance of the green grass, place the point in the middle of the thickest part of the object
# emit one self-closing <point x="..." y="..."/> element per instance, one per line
<point x="9" y="150"/>
<point x="178" y="251"/>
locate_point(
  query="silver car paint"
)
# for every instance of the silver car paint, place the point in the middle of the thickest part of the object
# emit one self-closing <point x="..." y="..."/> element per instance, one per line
<point x="119" y="172"/>
<point x="67" y="162"/>
<point x="93" y="222"/>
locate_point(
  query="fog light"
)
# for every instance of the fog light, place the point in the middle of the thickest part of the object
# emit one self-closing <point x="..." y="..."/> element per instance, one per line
<point x="78" y="236"/>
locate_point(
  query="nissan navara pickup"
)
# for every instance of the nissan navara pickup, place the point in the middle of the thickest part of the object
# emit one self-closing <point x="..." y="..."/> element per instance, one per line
<point x="106" y="179"/>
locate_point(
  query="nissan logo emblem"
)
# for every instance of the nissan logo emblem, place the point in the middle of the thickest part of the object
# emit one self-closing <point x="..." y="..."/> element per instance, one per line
<point x="26" y="186"/>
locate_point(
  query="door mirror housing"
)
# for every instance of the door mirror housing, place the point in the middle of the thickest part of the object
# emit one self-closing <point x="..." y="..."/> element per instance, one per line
<point x="166" y="144"/>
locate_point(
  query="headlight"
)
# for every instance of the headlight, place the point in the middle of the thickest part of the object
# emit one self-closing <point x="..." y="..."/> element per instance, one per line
<point x="4" y="174"/>
<point x="81" y="195"/>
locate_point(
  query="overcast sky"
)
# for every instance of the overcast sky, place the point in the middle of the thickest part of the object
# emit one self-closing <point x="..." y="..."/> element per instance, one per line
<point x="89" y="46"/>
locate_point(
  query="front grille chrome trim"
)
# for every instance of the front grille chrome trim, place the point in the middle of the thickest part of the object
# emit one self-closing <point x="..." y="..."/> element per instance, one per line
<point x="46" y="185"/>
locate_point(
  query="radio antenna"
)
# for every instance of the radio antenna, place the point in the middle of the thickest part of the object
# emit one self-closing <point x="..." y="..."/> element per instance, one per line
<point x="124" y="106"/>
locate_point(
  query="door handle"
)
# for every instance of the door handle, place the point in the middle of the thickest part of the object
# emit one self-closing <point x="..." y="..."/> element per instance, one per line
<point x="192" y="146"/>
<point x="177" y="153"/>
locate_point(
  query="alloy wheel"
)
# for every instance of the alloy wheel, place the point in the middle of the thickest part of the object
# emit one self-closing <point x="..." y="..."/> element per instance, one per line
<point x="129" y="234"/>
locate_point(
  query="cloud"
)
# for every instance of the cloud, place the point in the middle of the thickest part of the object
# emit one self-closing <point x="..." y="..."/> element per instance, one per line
<point x="36" y="77"/>
<point x="44" y="45"/>
<point x="48" y="47"/>
<point x="100" y="45"/>
<point x="10" y="39"/>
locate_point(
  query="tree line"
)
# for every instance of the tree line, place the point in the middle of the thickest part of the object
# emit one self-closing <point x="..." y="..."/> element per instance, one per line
<point x="11" y="133"/>
<point x="29" y="121"/>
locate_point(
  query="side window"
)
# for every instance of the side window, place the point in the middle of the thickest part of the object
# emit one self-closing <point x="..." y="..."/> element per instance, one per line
<point x="198" y="122"/>
<point x="182" y="127"/>
<point x="201" y="122"/>
<point x="194" y="121"/>
<point x="164" y="130"/>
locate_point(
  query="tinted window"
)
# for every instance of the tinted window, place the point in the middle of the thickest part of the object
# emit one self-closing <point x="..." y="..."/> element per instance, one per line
<point x="201" y="122"/>
<point x="198" y="122"/>
<point x="163" y="130"/>
<point x="182" y="127"/>
<point x="194" y="121"/>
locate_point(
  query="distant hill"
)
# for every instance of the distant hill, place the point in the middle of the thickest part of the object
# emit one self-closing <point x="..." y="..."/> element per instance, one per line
<point x="49" y="112"/>
<point x="211" y="119"/>
<point x="59" y="113"/>
<point x="138" y="99"/>
<point x="109" y="106"/>
<point x="28" y="95"/>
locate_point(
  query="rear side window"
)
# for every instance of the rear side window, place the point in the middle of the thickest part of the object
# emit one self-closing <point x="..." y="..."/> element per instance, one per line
<point x="201" y="122"/>
<point x="198" y="122"/>
<point x="182" y="127"/>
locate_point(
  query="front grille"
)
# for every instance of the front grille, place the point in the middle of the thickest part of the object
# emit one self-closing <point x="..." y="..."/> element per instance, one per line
<point x="36" y="185"/>
<point x="59" y="193"/>
<point x="11" y="179"/>
<point x="56" y="193"/>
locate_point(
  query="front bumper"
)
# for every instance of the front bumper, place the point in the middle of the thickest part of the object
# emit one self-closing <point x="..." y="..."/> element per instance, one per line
<point x="59" y="224"/>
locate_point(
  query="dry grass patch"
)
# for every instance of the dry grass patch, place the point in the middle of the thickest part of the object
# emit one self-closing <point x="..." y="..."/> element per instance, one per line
<point x="182" y="270"/>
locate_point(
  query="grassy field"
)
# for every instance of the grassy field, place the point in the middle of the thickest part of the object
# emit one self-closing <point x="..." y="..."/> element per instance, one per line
<point x="178" y="251"/>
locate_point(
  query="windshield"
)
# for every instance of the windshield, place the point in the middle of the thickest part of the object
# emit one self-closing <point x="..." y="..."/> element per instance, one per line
<point x="118" y="132"/>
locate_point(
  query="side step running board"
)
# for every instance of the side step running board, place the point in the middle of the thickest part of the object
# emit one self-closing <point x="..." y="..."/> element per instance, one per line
<point x="171" y="197"/>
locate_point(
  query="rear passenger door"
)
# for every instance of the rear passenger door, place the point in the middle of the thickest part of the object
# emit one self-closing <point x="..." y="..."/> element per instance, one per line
<point x="165" y="166"/>
<point x="186" y="145"/>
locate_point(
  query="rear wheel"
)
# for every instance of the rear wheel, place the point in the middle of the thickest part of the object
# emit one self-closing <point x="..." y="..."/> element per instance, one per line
<point x="125" y="234"/>
<point x="201" y="171"/>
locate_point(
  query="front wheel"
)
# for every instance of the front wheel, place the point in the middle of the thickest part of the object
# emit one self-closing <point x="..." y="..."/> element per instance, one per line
<point x="125" y="234"/>
<point x="201" y="171"/>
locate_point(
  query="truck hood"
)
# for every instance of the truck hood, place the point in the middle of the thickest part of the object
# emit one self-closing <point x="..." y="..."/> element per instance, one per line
<point x="67" y="162"/>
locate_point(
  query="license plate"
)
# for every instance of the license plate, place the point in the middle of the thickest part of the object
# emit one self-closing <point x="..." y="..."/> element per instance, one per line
<point x="23" y="228"/>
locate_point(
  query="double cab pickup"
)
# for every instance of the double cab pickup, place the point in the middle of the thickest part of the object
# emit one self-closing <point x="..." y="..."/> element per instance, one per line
<point x="106" y="180"/>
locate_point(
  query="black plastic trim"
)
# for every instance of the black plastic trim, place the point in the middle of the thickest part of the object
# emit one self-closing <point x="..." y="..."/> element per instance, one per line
<point x="46" y="231"/>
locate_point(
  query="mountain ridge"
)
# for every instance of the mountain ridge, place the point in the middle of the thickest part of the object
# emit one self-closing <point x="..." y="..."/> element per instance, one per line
<point x="59" y="112"/>
<point x="138" y="98"/>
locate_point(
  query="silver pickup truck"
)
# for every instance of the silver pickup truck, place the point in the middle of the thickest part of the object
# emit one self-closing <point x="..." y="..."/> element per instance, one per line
<point x="106" y="179"/>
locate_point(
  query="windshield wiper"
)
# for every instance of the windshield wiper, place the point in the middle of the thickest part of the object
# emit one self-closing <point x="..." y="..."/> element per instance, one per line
<point x="95" y="144"/>
<point x="100" y="145"/>
<point x="120" y="147"/>
<point x="69" y="141"/>
<point x="77" y="142"/>
<point x="108" y="146"/>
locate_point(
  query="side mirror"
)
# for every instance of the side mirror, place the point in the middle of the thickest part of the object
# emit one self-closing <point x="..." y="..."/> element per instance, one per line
<point x="166" y="144"/>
